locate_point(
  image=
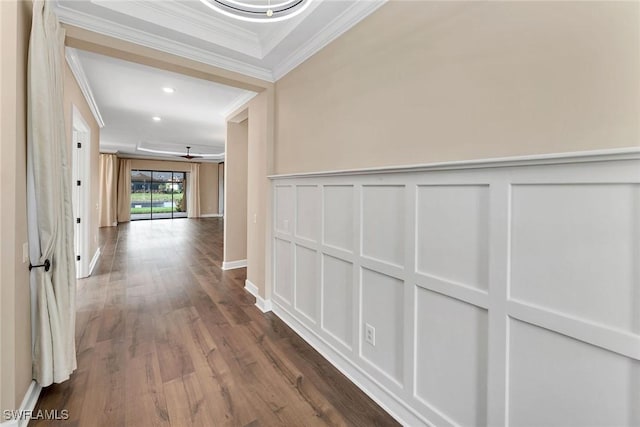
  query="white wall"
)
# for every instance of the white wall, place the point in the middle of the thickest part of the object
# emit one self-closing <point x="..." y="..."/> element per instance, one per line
<point x="501" y="293"/>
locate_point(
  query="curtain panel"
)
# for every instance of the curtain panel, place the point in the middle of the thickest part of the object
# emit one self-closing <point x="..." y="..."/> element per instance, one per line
<point x="108" y="197"/>
<point x="124" y="190"/>
<point x="49" y="204"/>
<point x="193" y="191"/>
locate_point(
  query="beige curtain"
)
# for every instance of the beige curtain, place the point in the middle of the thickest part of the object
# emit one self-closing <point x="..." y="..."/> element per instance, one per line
<point x="49" y="208"/>
<point x="193" y="191"/>
<point x="124" y="190"/>
<point x="108" y="192"/>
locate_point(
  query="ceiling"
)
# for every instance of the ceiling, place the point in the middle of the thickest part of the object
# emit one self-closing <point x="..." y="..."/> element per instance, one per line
<point x="125" y="96"/>
<point x="128" y="95"/>
<point x="190" y="29"/>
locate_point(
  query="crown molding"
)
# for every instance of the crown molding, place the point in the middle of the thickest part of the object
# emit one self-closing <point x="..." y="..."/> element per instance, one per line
<point x="237" y="103"/>
<point x="280" y="32"/>
<point x="233" y="37"/>
<point x="73" y="60"/>
<point x="347" y="19"/>
<point x="143" y="38"/>
<point x="182" y="19"/>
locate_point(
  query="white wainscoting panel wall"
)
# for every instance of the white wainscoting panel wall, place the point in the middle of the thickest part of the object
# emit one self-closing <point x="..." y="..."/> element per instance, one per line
<point x="504" y="292"/>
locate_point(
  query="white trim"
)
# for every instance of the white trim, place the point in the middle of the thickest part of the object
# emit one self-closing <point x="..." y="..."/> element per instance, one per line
<point x="264" y="305"/>
<point x="273" y="39"/>
<point x="78" y="72"/>
<point x="234" y="38"/>
<point x="81" y="162"/>
<point x="231" y="265"/>
<point x="347" y="19"/>
<point x="191" y="22"/>
<point x="504" y="196"/>
<point x="628" y="153"/>
<point x="153" y="41"/>
<point x="216" y="215"/>
<point x="376" y="391"/>
<point x="240" y="101"/>
<point x="28" y="403"/>
<point x="94" y="260"/>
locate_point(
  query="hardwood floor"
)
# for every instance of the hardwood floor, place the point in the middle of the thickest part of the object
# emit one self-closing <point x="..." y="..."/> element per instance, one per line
<point x="166" y="338"/>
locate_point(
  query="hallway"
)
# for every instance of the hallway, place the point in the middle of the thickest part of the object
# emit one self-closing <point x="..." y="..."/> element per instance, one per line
<point x="165" y="338"/>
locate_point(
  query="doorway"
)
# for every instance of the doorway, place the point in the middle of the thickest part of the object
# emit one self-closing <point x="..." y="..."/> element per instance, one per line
<point x="158" y="194"/>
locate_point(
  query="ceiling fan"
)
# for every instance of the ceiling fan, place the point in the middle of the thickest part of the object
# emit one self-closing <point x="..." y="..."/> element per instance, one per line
<point x="189" y="156"/>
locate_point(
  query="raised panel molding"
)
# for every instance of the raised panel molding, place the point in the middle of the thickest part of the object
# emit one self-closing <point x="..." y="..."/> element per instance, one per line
<point x="451" y="357"/>
<point x="337" y="299"/>
<point x="595" y="230"/>
<point x="382" y="299"/>
<point x="383" y="216"/>
<point x="308" y="212"/>
<point x="453" y="234"/>
<point x="284" y="204"/>
<point x="489" y="285"/>
<point x="283" y="281"/>
<point x="338" y="216"/>
<point x="577" y="384"/>
<point x="307" y="280"/>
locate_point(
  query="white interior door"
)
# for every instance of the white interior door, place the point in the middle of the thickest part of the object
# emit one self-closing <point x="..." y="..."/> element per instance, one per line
<point x="80" y="157"/>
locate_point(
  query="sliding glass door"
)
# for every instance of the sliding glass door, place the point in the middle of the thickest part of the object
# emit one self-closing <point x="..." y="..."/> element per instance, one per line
<point x="158" y="195"/>
<point x="140" y="194"/>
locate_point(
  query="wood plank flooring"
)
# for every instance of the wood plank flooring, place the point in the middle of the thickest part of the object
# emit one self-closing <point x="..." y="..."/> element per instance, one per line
<point x="166" y="338"/>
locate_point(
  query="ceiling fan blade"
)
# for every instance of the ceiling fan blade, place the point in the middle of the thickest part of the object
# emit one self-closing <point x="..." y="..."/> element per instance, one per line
<point x="188" y="156"/>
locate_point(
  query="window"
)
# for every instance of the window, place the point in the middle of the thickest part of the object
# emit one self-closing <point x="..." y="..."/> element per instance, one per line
<point x="158" y="194"/>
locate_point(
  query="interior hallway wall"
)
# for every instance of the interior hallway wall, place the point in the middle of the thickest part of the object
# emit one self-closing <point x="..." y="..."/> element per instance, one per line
<point x="208" y="189"/>
<point x="15" y="322"/>
<point x="235" y="203"/>
<point x="464" y="80"/>
<point x="258" y="193"/>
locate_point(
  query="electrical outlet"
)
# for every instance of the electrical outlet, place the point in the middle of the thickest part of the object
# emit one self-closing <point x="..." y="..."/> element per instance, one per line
<point x="255" y="218"/>
<point x="370" y="334"/>
<point x="25" y="252"/>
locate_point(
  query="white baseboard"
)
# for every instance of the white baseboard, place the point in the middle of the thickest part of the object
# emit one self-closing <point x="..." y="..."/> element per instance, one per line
<point x="211" y="216"/>
<point x="372" y="388"/>
<point x="94" y="261"/>
<point x="28" y="403"/>
<point x="263" y="304"/>
<point x="230" y="265"/>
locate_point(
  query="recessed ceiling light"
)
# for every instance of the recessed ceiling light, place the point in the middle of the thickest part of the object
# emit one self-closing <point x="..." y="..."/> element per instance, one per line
<point x="168" y="89"/>
<point x="259" y="11"/>
<point x="156" y="119"/>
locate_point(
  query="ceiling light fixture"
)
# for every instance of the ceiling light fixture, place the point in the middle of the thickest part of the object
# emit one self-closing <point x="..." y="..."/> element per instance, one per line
<point x="168" y="89"/>
<point x="156" y="119"/>
<point x="258" y="10"/>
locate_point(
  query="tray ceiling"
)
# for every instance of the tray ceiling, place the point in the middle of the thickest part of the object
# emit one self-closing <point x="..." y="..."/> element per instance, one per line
<point x="190" y="29"/>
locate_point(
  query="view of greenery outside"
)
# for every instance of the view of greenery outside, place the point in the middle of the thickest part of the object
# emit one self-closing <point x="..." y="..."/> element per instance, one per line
<point x="157" y="192"/>
<point x="157" y="197"/>
<point x="155" y="210"/>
